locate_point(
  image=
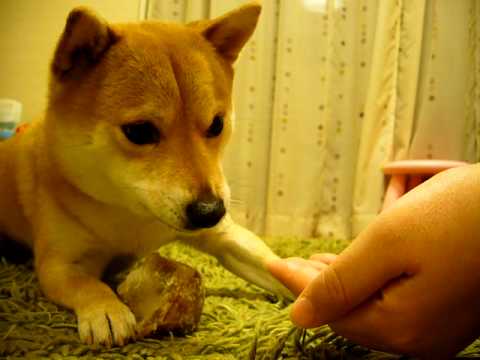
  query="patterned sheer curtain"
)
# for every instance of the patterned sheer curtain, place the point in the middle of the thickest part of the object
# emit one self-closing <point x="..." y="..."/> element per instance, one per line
<point x="327" y="91"/>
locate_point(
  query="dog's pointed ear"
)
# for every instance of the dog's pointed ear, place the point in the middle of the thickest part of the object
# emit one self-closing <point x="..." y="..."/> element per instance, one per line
<point x="230" y="32"/>
<point x="85" y="38"/>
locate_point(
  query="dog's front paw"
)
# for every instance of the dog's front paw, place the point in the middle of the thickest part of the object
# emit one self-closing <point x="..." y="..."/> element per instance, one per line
<point x="109" y="323"/>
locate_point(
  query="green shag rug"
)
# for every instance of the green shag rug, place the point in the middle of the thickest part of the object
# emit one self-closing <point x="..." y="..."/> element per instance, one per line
<point x="239" y="321"/>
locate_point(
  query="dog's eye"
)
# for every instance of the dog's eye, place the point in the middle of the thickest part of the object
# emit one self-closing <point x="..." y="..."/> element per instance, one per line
<point x="141" y="133"/>
<point x="216" y="127"/>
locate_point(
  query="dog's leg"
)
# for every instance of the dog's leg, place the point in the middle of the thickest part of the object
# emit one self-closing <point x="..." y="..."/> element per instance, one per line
<point x="241" y="252"/>
<point x="69" y="264"/>
<point x="102" y="317"/>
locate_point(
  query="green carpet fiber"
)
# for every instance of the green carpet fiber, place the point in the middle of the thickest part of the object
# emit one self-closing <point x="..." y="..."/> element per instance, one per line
<point x="239" y="321"/>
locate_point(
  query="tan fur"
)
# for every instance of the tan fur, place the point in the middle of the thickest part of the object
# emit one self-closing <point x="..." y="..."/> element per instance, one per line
<point x="79" y="193"/>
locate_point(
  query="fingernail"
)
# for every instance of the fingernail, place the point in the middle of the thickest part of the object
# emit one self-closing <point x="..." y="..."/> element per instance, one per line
<point x="292" y="265"/>
<point x="302" y="312"/>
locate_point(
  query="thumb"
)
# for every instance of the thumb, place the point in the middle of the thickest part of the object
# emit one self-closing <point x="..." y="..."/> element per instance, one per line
<point x="370" y="262"/>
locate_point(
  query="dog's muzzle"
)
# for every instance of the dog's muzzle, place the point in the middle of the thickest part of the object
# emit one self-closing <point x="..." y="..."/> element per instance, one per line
<point x="205" y="212"/>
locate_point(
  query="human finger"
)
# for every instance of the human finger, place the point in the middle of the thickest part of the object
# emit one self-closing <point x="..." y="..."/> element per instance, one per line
<point x="294" y="273"/>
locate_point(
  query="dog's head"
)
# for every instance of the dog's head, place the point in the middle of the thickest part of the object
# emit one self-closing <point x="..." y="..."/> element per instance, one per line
<point x="139" y="114"/>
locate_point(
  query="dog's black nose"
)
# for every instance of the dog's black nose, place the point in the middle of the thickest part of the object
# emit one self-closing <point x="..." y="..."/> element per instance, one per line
<point x="205" y="213"/>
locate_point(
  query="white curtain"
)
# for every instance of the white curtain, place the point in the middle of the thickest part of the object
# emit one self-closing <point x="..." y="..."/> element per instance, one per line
<point x="327" y="91"/>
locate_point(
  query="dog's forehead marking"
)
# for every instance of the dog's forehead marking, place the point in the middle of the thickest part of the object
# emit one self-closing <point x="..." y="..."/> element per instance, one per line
<point x="177" y="67"/>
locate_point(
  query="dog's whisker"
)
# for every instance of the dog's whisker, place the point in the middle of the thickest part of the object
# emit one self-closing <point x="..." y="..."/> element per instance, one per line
<point x="78" y="144"/>
<point x="237" y="201"/>
<point x="238" y="185"/>
<point x="173" y="203"/>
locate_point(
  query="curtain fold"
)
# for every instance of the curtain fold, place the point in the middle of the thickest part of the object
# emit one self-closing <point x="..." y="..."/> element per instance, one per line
<point x="391" y="101"/>
<point x="247" y="160"/>
<point x="472" y="128"/>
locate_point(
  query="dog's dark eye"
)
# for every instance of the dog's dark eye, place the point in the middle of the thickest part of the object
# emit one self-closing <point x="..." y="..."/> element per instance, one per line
<point x="216" y="127"/>
<point x="141" y="133"/>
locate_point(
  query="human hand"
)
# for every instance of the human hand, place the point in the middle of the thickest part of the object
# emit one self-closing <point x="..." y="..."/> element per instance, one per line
<point x="410" y="282"/>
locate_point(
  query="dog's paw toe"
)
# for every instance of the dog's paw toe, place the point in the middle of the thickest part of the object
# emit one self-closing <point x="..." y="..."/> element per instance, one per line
<point x="111" y="324"/>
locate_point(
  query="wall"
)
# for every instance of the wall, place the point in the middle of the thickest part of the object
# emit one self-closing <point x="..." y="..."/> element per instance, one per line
<point x="29" y="30"/>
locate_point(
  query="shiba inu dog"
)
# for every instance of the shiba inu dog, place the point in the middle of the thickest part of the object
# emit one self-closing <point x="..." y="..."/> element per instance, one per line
<point x="128" y="158"/>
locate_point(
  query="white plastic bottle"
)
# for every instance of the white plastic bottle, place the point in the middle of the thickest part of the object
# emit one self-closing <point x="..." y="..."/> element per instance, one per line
<point x="10" y="115"/>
